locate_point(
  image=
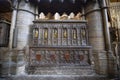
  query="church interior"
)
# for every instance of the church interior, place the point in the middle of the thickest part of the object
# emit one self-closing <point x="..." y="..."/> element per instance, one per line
<point x="59" y="39"/>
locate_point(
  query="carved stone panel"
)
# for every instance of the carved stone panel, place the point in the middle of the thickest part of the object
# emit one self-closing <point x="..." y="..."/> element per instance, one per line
<point x="59" y="33"/>
<point x="59" y="56"/>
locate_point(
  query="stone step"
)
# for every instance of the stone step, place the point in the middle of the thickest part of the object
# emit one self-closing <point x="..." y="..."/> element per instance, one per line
<point x="57" y="77"/>
<point x="63" y="70"/>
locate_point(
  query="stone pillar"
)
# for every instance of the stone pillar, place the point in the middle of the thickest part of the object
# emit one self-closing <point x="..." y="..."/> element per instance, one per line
<point x="13" y="22"/>
<point x="25" y="17"/>
<point x="110" y="61"/>
<point x="96" y="36"/>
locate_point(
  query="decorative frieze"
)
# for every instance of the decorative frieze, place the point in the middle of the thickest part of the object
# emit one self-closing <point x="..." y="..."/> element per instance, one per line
<point x="52" y="56"/>
<point x="59" y="33"/>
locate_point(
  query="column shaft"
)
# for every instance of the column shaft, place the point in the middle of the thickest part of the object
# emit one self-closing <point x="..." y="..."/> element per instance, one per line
<point x="24" y="21"/>
<point x="96" y="36"/>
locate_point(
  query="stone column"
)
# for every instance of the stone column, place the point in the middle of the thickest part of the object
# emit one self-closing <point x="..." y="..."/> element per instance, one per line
<point x="96" y="36"/>
<point x="13" y="22"/>
<point x="25" y="17"/>
<point x="110" y="61"/>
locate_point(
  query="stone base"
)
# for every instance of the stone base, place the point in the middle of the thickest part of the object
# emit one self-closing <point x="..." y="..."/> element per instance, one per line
<point x="61" y="70"/>
<point x="57" y="77"/>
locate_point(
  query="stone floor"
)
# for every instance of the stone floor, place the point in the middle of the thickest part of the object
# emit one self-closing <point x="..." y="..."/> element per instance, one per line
<point x="59" y="73"/>
<point x="62" y="70"/>
<point x="55" y="77"/>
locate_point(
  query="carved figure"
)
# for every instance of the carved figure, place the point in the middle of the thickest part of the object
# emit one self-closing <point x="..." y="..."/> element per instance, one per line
<point x="78" y="16"/>
<point x="74" y="34"/>
<point x="55" y="33"/>
<point x="36" y="33"/>
<point x="71" y="16"/>
<point x="64" y="16"/>
<point x="42" y="15"/>
<point x="57" y="16"/>
<point x="65" y="33"/>
<point x="46" y="34"/>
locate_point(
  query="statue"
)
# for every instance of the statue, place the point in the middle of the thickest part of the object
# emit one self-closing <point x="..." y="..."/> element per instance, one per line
<point x="46" y="33"/>
<point x="55" y="33"/>
<point x="78" y="16"/>
<point x="57" y="16"/>
<point x="71" y="16"/>
<point x="49" y="16"/>
<point x="36" y="33"/>
<point x="74" y="34"/>
<point x="42" y="15"/>
<point x="83" y="33"/>
<point x="64" y="16"/>
<point x="65" y="33"/>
